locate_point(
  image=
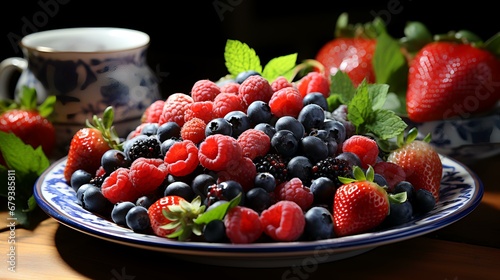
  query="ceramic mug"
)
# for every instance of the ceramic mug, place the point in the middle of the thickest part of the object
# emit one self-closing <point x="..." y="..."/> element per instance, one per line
<point x="87" y="69"/>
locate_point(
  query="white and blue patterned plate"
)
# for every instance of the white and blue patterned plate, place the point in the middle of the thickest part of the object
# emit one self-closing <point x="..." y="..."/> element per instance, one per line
<point x="461" y="192"/>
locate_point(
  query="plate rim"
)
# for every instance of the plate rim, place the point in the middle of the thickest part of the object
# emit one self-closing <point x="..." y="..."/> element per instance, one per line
<point x="269" y="249"/>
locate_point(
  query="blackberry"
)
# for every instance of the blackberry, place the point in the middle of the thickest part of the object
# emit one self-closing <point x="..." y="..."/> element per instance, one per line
<point x="97" y="181"/>
<point x="275" y="164"/>
<point x="149" y="147"/>
<point x="332" y="168"/>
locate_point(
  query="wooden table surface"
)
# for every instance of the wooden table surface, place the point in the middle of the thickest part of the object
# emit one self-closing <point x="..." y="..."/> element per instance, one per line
<point x="466" y="249"/>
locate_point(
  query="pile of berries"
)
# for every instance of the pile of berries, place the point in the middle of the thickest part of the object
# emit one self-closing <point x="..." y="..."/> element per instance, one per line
<point x="249" y="161"/>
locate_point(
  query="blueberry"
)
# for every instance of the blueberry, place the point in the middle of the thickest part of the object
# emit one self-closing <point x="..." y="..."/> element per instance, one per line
<point x="94" y="201"/>
<point x="351" y="158"/>
<point x="241" y="77"/>
<point x="380" y="180"/>
<point x="168" y="130"/>
<point x="323" y="189"/>
<point x="119" y="212"/>
<point x="300" y="167"/>
<point x="149" y="129"/>
<point x="266" y="181"/>
<point x="146" y="200"/>
<point x="399" y="213"/>
<point x="181" y="189"/>
<point x="266" y="128"/>
<point x="239" y="122"/>
<point x="80" y="177"/>
<point x="137" y="219"/>
<point x="201" y="182"/>
<point x="218" y="126"/>
<point x="215" y="231"/>
<point x="292" y="124"/>
<point x="258" y="199"/>
<point x="315" y="98"/>
<point x="423" y="201"/>
<point x="405" y="186"/>
<point x="319" y="224"/>
<point x="114" y="159"/>
<point x="313" y="148"/>
<point x="259" y="112"/>
<point x="285" y="143"/>
<point x="312" y="116"/>
<point x="81" y="190"/>
<point x="336" y="129"/>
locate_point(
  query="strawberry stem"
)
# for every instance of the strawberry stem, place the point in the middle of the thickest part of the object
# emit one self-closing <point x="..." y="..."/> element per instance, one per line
<point x="105" y="126"/>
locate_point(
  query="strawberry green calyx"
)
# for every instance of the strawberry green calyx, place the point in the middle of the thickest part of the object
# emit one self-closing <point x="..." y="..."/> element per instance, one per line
<point x="105" y="126"/>
<point x="182" y="217"/>
<point x="28" y="102"/>
<point x="359" y="175"/>
<point x="369" y="30"/>
<point x="410" y="137"/>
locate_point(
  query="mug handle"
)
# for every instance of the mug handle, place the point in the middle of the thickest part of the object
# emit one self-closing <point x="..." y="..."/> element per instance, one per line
<point x="7" y="68"/>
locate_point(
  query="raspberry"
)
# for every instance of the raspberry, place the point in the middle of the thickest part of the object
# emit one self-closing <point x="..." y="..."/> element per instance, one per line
<point x="286" y="102"/>
<point x="254" y="143"/>
<point x="364" y="147"/>
<point x="147" y="174"/>
<point x="174" y="108"/>
<point x="153" y="112"/>
<point x="182" y="158"/>
<point x="283" y="221"/>
<point x="279" y="83"/>
<point x="314" y="82"/>
<point x="392" y="173"/>
<point x="255" y="88"/>
<point x="242" y="225"/>
<point x="225" y="103"/>
<point x="199" y="109"/>
<point x="117" y="187"/>
<point x="204" y="90"/>
<point x="294" y="190"/>
<point x="230" y="87"/>
<point x="194" y="130"/>
<point x="244" y="173"/>
<point x="219" y="152"/>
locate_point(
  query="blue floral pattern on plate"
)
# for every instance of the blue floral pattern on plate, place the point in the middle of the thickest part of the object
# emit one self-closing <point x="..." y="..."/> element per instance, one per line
<point x="461" y="192"/>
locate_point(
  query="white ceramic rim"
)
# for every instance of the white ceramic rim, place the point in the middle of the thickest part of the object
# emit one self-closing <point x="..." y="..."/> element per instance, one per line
<point x="120" y="39"/>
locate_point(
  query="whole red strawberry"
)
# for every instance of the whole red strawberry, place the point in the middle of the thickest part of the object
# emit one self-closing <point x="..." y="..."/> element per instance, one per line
<point x="359" y="204"/>
<point x="453" y="76"/>
<point x="90" y="143"/>
<point x="28" y="121"/>
<point x="351" y="51"/>
<point x="421" y="163"/>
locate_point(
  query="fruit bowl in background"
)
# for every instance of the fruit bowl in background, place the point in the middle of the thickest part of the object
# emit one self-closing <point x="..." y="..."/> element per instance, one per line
<point x="465" y="139"/>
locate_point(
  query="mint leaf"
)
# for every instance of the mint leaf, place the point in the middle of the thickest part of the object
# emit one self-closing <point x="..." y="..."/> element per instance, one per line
<point x="218" y="212"/>
<point x="280" y="66"/>
<point x="341" y="84"/>
<point x="386" y="124"/>
<point x="366" y="112"/>
<point x="240" y="57"/>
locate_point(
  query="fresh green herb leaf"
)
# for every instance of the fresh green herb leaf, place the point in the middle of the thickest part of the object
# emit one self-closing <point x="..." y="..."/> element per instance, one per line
<point x="341" y="85"/>
<point x="218" y="212"/>
<point x="240" y="57"/>
<point x="26" y="165"/>
<point x="280" y="66"/>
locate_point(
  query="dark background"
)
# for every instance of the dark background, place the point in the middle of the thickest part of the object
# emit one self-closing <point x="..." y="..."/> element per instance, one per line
<point x="188" y="37"/>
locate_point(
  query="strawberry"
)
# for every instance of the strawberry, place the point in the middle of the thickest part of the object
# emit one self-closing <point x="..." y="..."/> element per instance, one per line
<point x="90" y="143"/>
<point x="28" y="121"/>
<point x="452" y="76"/>
<point x="351" y="51"/>
<point x="173" y="217"/>
<point x="359" y="205"/>
<point x="419" y="160"/>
